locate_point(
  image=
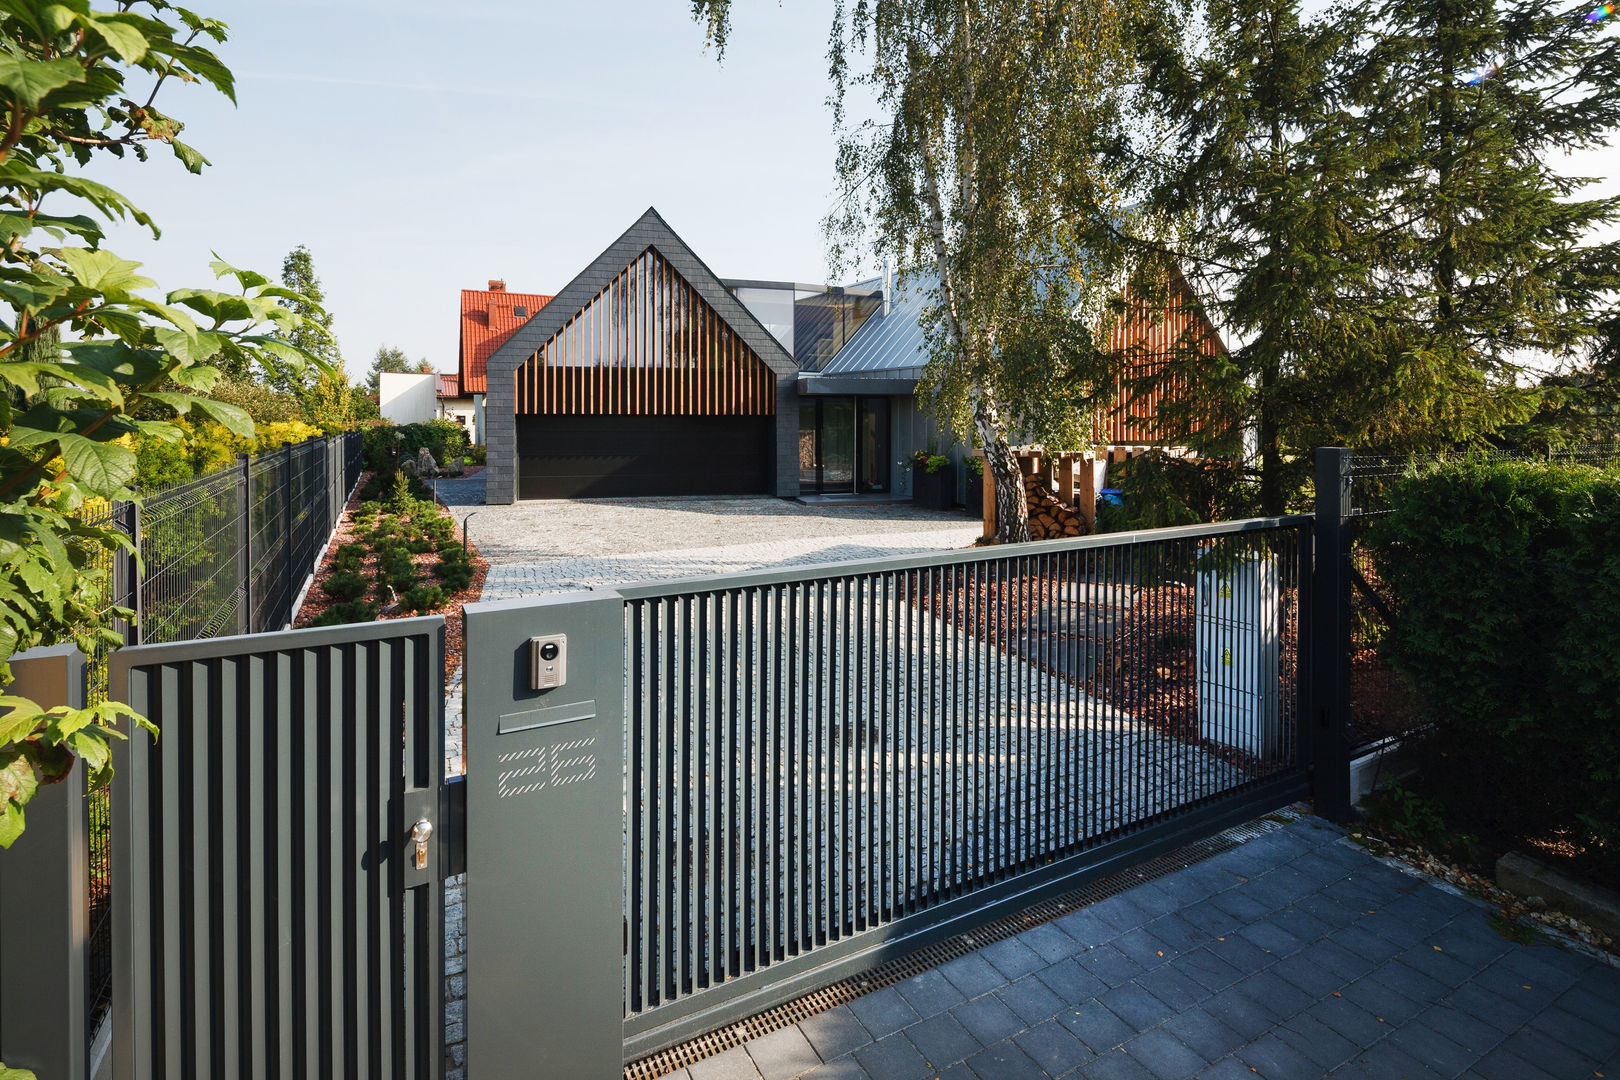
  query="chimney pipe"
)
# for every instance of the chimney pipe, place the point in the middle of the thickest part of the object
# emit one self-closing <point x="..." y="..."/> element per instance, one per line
<point x="497" y="286"/>
<point x="888" y="284"/>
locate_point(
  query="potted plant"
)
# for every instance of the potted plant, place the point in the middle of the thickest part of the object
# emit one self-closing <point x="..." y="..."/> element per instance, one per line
<point x="975" y="482"/>
<point x="933" y="481"/>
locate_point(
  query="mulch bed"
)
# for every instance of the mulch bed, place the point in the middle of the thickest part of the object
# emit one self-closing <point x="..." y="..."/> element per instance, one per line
<point x="316" y="601"/>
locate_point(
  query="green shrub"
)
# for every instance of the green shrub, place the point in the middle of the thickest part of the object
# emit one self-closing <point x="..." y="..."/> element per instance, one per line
<point x="422" y="598"/>
<point x="400" y="497"/>
<point x="439" y="528"/>
<point x="420" y="546"/>
<point x="385" y="526"/>
<point x="444" y="439"/>
<point x="1506" y="585"/>
<point x="348" y="585"/>
<point x="475" y="455"/>
<point x="1162" y="490"/>
<point x="372" y="489"/>
<point x="352" y="552"/>
<point x="339" y="614"/>
<point x="368" y="509"/>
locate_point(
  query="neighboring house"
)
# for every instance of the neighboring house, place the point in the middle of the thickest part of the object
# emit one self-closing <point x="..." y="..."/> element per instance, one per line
<point x="407" y="398"/>
<point x="488" y="318"/>
<point x="457" y="406"/>
<point x="649" y="375"/>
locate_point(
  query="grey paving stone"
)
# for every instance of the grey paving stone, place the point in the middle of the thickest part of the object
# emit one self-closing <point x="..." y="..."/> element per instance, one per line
<point x="1433" y="1049"/>
<point x="1501" y="1065"/>
<point x="1301" y="923"/>
<point x="1309" y="976"/>
<point x="1153" y="899"/>
<point x="1241" y="905"/>
<point x="1286" y="884"/>
<point x="1390" y="926"/>
<point x="1164" y="1055"/>
<point x="1210" y="918"/>
<point x="1177" y="933"/>
<point x="1444" y="969"/>
<point x="1464" y="1029"/>
<point x="1387" y="1059"/>
<point x="835" y="1032"/>
<point x="893" y="1058"/>
<point x="1272" y="1058"/>
<point x="1407" y="980"/>
<point x="930" y="993"/>
<point x="1348" y="1019"/>
<point x="1272" y="937"/>
<point x="782" y="1054"/>
<point x="1324" y="907"/>
<point x="1004" y="1061"/>
<point x="1109" y="964"/>
<point x="1227" y="1069"/>
<point x="1210" y="1038"/>
<point x="1318" y="867"/>
<point x="1085" y="928"/>
<point x="1582" y="1002"/>
<point x="1071" y="982"/>
<point x="1031" y="1000"/>
<point x="1095" y="1026"/>
<point x="1384" y="1002"/>
<point x="1326" y="1048"/>
<point x="1548" y="966"/>
<point x="1550" y="1054"/>
<point x="1013" y="958"/>
<point x="1598" y="1041"/>
<point x="1118" y="912"/>
<point x="1331" y="956"/>
<point x="1172" y="987"/>
<point x="1207" y="969"/>
<point x="842" y="1069"/>
<point x="1136" y="1006"/>
<point x="1050" y="942"/>
<point x="883" y="1012"/>
<point x="1241" y="953"/>
<point x="1199" y="882"/>
<point x="733" y="1064"/>
<point x="1141" y="946"/>
<point x="1116" y="1065"/>
<point x="942" y="1041"/>
<point x="1276" y="996"/>
<point x="1367" y="945"/>
<point x="1054" y="1048"/>
<point x="1469" y="938"/>
<point x="1514" y="984"/>
<point x="988" y="1020"/>
<point x="972" y="975"/>
<point x="1493" y="1009"/>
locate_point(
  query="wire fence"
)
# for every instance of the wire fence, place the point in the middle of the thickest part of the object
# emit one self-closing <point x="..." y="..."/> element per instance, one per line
<point x="1382" y="703"/>
<point x="227" y="552"/>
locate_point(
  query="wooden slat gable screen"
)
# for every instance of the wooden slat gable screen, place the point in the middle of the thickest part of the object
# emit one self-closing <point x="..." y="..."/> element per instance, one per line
<point x="647" y="344"/>
<point x="1145" y="339"/>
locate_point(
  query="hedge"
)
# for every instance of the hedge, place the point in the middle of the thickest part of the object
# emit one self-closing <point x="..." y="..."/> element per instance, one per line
<point x="1506" y="585"/>
<point x="444" y="439"/>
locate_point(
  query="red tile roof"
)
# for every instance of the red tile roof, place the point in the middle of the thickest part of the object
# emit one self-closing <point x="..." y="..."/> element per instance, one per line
<point x="449" y="386"/>
<point x="488" y="318"/>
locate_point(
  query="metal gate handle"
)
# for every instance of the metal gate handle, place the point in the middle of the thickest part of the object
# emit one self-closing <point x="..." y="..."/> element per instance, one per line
<point x="421" y="832"/>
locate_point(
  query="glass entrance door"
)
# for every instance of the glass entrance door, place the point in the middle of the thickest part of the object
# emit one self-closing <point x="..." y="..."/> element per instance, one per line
<point x="837" y="445"/>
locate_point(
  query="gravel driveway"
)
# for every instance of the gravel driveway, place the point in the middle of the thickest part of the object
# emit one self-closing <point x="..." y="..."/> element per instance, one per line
<point x="543" y="546"/>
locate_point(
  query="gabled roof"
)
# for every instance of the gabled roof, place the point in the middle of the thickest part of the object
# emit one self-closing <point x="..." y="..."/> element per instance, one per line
<point x="488" y="318"/>
<point x="649" y="231"/>
<point x="449" y="386"/>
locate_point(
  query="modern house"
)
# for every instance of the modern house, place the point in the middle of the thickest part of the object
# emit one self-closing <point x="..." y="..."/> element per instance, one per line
<point x="650" y="375"/>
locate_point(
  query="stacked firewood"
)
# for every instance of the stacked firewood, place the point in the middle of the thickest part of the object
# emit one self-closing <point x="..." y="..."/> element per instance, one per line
<point x="1049" y="518"/>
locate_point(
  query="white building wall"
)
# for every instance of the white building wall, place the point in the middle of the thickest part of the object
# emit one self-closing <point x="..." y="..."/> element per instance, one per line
<point x="408" y="399"/>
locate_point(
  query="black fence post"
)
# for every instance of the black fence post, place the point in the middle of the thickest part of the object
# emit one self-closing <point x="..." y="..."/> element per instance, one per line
<point x="286" y="534"/>
<point x="1330" y="636"/>
<point x="130" y="587"/>
<point x="244" y="541"/>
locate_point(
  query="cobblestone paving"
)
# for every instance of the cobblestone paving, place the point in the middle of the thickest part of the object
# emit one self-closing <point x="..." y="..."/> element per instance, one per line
<point x="1294" y="956"/>
<point x="547" y="546"/>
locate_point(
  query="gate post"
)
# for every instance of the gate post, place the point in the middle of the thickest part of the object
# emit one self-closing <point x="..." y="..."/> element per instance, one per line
<point x="1330" y="637"/>
<point x="545" y="840"/>
<point x="44" y="898"/>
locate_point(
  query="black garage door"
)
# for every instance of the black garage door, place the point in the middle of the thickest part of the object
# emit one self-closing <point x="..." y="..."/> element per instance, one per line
<point x="569" y="457"/>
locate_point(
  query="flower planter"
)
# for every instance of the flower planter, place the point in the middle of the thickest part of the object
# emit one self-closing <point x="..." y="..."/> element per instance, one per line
<point x="934" y="490"/>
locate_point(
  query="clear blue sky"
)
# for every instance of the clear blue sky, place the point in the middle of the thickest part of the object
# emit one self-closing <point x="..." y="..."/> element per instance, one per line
<point x="421" y="148"/>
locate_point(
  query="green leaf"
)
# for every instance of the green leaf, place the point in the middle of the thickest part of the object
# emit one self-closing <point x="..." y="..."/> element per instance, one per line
<point x="11" y="827"/>
<point x="103" y="468"/>
<point x="234" y="419"/>
<point x="189" y="156"/>
<point x="189" y="348"/>
<point x="123" y="39"/>
<point x="102" y="270"/>
<point x="30" y="80"/>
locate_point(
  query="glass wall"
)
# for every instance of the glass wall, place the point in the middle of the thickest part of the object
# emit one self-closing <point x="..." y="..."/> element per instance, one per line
<point x="824" y="321"/>
<point x="773" y="307"/>
<point x="844" y="445"/>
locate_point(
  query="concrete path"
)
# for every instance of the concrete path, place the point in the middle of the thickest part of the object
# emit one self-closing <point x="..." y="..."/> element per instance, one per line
<point x="1294" y="956"/>
<point x="548" y="546"/>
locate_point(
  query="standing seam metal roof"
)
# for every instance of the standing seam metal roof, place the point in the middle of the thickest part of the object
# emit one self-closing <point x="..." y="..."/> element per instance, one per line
<point x="889" y="344"/>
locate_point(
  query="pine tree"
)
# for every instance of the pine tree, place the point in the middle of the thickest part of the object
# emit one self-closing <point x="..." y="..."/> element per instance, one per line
<point x="314" y="336"/>
<point x="1488" y="257"/>
<point x="391" y="360"/>
<point x="1251" y="188"/>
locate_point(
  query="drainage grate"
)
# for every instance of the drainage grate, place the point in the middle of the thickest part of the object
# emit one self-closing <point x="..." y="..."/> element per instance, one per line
<point x="932" y="956"/>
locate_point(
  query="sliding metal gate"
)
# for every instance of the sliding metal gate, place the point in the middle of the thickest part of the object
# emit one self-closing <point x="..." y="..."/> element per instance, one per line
<point x="271" y="918"/>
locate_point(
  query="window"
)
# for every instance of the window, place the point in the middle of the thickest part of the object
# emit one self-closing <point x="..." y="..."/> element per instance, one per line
<point x="519" y="311"/>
